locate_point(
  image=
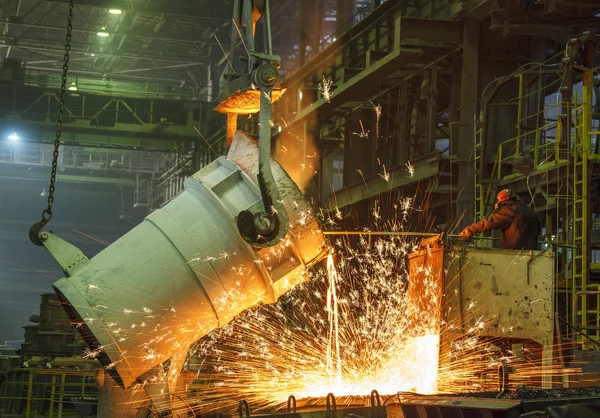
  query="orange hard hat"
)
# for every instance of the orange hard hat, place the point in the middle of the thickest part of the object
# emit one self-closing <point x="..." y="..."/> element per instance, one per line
<point x="506" y="195"/>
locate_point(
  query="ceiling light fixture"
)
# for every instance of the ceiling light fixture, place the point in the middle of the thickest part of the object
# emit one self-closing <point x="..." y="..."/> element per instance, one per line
<point x="73" y="87"/>
<point x="115" y="11"/>
<point x="13" y="137"/>
<point x="103" y="32"/>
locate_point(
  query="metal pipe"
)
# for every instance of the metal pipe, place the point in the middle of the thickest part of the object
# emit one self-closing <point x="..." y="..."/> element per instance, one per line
<point x="98" y="74"/>
<point x="268" y="20"/>
<point x="36" y="45"/>
<point x="391" y="233"/>
<point x="132" y="35"/>
<point x="233" y="40"/>
<point x="133" y="70"/>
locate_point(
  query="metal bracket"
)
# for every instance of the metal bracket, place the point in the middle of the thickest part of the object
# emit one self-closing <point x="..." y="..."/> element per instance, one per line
<point x="68" y="256"/>
<point x="268" y="228"/>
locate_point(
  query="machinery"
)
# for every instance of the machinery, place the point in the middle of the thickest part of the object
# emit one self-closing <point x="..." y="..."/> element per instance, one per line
<point x="240" y="234"/>
<point x="489" y="300"/>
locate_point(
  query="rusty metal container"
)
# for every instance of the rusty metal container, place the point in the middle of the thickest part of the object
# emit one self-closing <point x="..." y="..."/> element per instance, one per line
<point x="477" y="295"/>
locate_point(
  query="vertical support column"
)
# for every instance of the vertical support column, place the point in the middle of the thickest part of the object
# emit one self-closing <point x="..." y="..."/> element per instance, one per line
<point x="468" y="111"/>
<point x="587" y="103"/>
<point x="319" y="12"/>
<point x="302" y="39"/>
<point x="565" y="116"/>
<point x="347" y="155"/>
<point x="233" y="40"/>
<point x="29" y="394"/>
<point x="61" y="397"/>
<point x="397" y="32"/>
<point x="455" y="104"/>
<point x="432" y="109"/>
<point x="547" y="363"/>
<point x="248" y="21"/>
<point x="215" y="77"/>
<point x="311" y="18"/>
<point x="520" y="116"/>
<point x="346" y="9"/>
<point x="402" y="125"/>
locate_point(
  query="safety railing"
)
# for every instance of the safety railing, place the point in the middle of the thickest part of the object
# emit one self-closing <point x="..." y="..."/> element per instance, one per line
<point x="556" y="129"/>
<point x="119" y="86"/>
<point x="589" y="326"/>
<point x="48" y="392"/>
<point x="95" y="159"/>
<point x="544" y="149"/>
<point x="329" y="39"/>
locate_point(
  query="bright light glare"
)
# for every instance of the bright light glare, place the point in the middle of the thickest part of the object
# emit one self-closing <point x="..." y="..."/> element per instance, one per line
<point x="13" y="137"/>
<point x="115" y="11"/>
<point x="103" y="32"/>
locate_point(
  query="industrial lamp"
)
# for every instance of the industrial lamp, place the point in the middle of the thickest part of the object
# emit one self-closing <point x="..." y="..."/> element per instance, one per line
<point x="103" y="32"/>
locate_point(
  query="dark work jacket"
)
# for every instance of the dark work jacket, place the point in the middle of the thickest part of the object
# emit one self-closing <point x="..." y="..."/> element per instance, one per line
<point x="518" y="223"/>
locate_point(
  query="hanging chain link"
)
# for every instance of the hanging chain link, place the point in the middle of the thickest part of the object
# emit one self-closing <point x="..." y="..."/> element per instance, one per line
<point x="34" y="231"/>
<point x="47" y="213"/>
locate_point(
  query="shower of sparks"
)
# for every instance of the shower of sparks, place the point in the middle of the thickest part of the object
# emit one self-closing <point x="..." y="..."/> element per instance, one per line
<point x="362" y="134"/>
<point x="385" y="175"/>
<point x="411" y="169"/>
<point x="325" y="87"/>
<point x="388" y="338"/>
<point x="291" y="347"/>
<point x="333" y="358"/>
<point x="352" y="327"/>
<point x="377" y="109"/>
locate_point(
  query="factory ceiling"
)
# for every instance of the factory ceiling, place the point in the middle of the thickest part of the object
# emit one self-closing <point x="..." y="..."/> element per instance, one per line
<point x="176" y="42"/>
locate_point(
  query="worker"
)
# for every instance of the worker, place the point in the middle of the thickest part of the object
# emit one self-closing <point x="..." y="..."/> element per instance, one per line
<point x="518" y="223"/>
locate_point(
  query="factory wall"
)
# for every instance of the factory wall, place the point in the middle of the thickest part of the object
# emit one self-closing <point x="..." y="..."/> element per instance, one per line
<point x="85" y="215"/>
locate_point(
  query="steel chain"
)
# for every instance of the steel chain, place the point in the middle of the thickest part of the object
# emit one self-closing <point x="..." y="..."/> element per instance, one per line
<point x="47" y="213"/>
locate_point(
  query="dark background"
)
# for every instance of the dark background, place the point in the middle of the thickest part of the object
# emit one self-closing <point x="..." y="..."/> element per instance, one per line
<point x="86" y="215"/>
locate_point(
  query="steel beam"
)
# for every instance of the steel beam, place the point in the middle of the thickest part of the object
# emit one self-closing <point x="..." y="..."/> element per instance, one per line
<point x="75" y="136"/>
<point x="425" y="168"/>
<point x="197" y="10"/>
<point x="132" y="34"/>
<point x="468" y="112"/>
<point x="80" y="48"/>
<point x="70" y="178"/>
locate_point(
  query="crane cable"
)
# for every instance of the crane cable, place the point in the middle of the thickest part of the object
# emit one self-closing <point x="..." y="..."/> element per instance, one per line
<point x="47" y="213"/>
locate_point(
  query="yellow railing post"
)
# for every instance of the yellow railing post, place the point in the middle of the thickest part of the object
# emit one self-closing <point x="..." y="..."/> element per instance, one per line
<point x="586" y="127"/>
<point x="52" y="393"/>
<point x="29" y="394"/>
<point x="536" y="147"/>
<point x="520" y="113"/>
<point x="61" y="394"/>
<point x="498" y="174"/>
